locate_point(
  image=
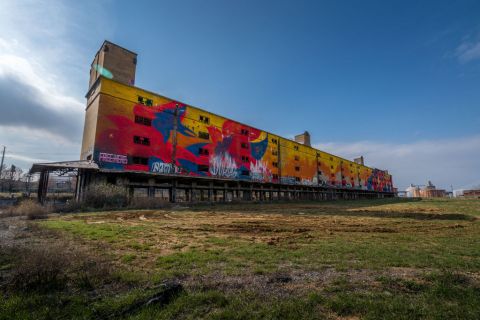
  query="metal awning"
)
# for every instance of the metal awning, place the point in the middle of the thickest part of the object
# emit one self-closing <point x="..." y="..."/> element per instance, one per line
<point x="64" y="166"/>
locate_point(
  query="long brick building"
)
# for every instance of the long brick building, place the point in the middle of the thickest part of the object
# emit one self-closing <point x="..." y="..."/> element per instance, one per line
<point x="160" y="147"/>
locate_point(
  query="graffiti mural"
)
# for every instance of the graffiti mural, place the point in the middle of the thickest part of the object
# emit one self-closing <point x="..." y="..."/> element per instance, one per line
<point x="260" y="172"/>
<point x="169" y="137"/>
<point x="222" y="165"/>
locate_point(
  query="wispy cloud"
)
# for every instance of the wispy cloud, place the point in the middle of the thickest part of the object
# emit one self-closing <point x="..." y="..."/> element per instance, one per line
<point x="468" y="50"/>
<point x="446" y="162"/>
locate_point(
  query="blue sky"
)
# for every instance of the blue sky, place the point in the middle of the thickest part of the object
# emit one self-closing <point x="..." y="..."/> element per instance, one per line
<point x="396" y="81"/>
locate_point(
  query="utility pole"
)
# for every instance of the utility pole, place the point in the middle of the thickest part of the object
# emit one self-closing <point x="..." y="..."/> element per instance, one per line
<point x="3" y="157"/>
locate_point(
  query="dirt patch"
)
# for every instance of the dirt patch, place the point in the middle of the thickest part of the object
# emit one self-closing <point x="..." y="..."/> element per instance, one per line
<point x="286" y="283"/>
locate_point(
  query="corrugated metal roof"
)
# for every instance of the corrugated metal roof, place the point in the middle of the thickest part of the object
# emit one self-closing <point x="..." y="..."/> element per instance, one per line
<point x="76" y="164"/>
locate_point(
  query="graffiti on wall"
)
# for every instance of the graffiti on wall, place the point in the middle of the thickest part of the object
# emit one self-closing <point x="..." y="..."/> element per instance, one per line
<point x="165" y="168"/>
<point x="112" y="158"/>
<point x="222" y="165"/>
<point x="173" y="138"/>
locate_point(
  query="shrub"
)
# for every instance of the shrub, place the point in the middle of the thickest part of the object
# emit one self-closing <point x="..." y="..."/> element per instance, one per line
<point x="39" y="269"/>
<point x="105" y="195"/>
<point x="29" y="208"/>
<point x="48" y="267"/>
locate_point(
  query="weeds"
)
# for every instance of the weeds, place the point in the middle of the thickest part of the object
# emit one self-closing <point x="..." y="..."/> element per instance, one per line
<point x="52" y="267"/>
<point x="326" y="263"/>
<point x="105" y="195"/>
<point x="31" y="209"/>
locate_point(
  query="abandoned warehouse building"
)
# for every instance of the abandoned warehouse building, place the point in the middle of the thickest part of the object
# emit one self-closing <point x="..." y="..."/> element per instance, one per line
<point x="161" y="148"/>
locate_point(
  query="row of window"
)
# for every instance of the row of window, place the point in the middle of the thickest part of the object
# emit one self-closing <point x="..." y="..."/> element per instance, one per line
<point x="205" y="168"/>
<point x="202" y="151"/>
<point x="206" y="135"/>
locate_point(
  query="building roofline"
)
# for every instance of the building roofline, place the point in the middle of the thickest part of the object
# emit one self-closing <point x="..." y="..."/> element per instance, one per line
<point x="112" y="43"/>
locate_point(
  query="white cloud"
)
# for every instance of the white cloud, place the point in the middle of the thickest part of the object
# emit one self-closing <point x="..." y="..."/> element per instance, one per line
<point x="44" y="61"/>
<point x="446" y="162"/>
<point x="24" y="71"/>
<point x="34" y="145"/>
<point x="468" y="51"/>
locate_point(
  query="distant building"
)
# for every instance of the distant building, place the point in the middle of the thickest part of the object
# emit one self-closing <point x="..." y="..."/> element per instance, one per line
<point x="428" y="191"/>
<point x="359" y="160"/>
<point x="471" y="193"/>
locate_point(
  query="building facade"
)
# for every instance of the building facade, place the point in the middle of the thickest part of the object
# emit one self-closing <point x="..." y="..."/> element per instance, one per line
<point x="155" y="145"/>
<point x="128" y="129"/>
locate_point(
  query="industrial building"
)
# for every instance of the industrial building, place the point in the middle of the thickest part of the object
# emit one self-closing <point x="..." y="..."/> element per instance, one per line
<point x="160" y="147"/>
<point x="428" y="191"/>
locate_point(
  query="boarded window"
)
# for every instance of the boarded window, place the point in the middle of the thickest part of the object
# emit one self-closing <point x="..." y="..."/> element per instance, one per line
<point x="203" y="168"/>
<point x="140" y="160"/>
<point x="204" y="135"/>
<point x="143" y="121"/>
<point x="203" y="152"/>
<point x="141" y="140"/>
<point x="140" y="192"/>
<point x="145" y="101"/>
<point x="204" y="119"/>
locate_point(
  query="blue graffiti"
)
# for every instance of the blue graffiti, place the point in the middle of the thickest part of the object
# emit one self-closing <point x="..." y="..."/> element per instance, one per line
<point x="164" y="123"/>
<point x="194" y="148"/>
<point x="222" y="146"/>
<point x="258" y="148"/>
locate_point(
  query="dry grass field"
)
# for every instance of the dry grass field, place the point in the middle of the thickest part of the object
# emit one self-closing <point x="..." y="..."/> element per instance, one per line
<point x="375" y="259"/>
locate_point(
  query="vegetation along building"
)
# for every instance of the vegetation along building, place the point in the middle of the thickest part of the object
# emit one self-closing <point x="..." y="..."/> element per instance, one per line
<point x="161" y="147"/>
